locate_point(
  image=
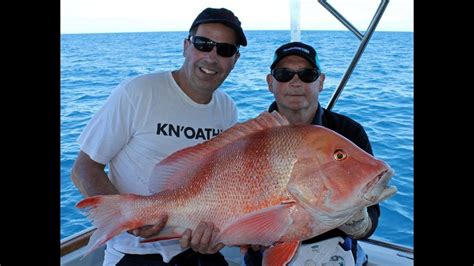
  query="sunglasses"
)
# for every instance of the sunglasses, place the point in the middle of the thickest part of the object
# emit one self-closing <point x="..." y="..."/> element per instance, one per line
<point x="204" y="44"/>
<point x="306" y="75"/>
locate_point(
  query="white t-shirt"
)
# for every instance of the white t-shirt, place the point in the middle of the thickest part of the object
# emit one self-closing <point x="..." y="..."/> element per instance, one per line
<point x="145" y="119"/>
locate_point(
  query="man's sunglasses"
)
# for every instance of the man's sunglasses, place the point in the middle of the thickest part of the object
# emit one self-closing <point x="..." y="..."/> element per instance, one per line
<point x="306" y="75"/>
<point x="204" y="44"/>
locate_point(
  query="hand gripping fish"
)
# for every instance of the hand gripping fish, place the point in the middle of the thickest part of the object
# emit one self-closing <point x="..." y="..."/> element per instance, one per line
<point x="261" y="182"/>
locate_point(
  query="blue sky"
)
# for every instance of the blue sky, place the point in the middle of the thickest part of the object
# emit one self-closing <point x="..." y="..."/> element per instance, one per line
<point x="100" y="16"/>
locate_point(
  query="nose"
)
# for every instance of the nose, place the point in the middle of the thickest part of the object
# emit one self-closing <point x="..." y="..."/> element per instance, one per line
<point x="295" y="80"/>
<point x="212" y="54"/>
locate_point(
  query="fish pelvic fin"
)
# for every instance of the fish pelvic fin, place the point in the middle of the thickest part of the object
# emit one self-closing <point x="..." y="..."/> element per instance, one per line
<point x="176" y="170"/>
<point x="111" y="214"/>
<point x="280" y="254"/>
<point x="263" y="227"/>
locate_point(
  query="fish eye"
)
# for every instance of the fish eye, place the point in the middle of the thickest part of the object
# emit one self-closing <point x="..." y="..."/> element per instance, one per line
<point x="340" y="155"/>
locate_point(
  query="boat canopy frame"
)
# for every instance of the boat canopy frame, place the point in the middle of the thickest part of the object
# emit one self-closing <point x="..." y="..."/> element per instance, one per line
<point x="364" y="40"/>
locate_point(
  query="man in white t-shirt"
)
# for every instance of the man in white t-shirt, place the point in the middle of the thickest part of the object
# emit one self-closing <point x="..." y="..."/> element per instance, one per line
<point x="147" y="118"/>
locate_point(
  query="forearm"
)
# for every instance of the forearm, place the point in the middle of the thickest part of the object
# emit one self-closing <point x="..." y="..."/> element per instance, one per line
<point x="90" y="178"/>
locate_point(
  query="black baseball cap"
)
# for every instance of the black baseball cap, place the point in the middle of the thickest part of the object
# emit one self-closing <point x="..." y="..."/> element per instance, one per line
<point x="299" y="49"/>
<point x="224" y="16"/>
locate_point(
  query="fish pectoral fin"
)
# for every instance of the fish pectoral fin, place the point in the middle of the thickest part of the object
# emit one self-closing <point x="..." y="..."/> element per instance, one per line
<point x="165" y="234"/>
<point x="280" y="254"/>
<point x="263" y="227"/>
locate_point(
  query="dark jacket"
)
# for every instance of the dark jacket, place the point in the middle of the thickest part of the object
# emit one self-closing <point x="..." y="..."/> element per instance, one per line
<point x="355" y="133"/>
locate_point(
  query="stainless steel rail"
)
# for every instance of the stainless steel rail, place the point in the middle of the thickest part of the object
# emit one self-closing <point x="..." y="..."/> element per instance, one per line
<point x="364" y="41"/>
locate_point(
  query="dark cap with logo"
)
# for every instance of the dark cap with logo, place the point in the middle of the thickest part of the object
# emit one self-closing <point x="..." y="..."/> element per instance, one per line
<point x="299" y="49"/>
<point x="224" y="16"/>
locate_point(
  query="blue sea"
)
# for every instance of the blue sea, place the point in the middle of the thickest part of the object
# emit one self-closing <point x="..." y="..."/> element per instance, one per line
<point x="379" y="95"/>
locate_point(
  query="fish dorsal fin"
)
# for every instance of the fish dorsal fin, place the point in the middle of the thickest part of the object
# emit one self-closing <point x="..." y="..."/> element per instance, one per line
<point x="177" y="169"/>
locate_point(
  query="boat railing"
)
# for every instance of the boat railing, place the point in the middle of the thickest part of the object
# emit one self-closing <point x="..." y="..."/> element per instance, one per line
<point x="360" y="50"/>
<point x="81" y="238"/>
<point x="76" y="240"/>
<point x="401" y="248"/>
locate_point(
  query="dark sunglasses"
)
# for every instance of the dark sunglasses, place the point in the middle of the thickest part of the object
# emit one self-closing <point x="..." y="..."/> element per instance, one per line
<point x="306" y="75"/>
<point x="204" y="44"/>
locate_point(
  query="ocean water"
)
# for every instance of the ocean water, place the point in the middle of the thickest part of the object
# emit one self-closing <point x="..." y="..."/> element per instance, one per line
<point x="379" y="95"/>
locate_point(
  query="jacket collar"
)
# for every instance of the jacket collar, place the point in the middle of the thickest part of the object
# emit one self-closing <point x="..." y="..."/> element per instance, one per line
<point x="318" y="117"/>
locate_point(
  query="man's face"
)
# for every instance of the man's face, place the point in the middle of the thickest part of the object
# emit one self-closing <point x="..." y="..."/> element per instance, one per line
<point x="205" y="71"/>
<point x="295" y="95"/>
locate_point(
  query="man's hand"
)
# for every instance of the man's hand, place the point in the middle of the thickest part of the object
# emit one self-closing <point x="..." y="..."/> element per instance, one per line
<point x="358" y="225"/>
<point x="201" y="238"/>
<point x="150" y="230"/>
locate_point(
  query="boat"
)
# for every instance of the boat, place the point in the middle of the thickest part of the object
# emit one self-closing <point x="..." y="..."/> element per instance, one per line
<point x="379" y="252"/>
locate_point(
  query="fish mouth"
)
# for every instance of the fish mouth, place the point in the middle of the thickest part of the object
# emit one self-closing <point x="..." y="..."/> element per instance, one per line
<point x="377" y="190"/>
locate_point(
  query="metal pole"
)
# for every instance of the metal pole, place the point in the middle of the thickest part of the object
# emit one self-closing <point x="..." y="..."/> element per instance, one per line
<point x="364" y="41"/>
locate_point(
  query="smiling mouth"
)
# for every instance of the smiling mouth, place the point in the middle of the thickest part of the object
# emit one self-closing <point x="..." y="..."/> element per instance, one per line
<point x="208" y="71"/>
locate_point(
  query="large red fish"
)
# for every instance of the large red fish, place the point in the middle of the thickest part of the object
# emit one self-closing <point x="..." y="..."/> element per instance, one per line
<point x="261" y="182"/>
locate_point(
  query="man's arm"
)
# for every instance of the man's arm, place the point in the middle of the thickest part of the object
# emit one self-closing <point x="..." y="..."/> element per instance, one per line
<point x="90" y="178"/>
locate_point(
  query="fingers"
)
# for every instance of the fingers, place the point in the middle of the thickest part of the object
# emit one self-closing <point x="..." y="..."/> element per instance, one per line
<point x="136" y="232"/>
<point x="216" y="248"/>
<point x="185" y="240"/>
<point x="200" y="240"/>
<point x="150" y="230"/>
<point x="160" y="224"/>
<point x="201" y="236"/>
<point x="219" y="246"/>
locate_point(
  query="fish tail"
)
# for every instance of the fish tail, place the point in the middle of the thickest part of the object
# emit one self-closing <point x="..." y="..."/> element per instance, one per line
<point x="111" y="214"/>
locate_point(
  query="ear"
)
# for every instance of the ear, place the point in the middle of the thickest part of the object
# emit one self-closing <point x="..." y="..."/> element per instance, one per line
<point x="322" y="77"/>
<point x="236" y="57"/>
<point x="186" y="44"/>
<point x="270" y="82"/>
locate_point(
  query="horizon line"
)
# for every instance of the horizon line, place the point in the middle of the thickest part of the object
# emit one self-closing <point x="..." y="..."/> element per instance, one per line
<point x="147" y="31"/>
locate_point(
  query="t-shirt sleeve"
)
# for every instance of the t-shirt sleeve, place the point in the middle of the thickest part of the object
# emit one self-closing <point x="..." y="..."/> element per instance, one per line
<point x="229" y="110"/>
<point x="233" y="115"/>
<point x="110" y="128"/>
